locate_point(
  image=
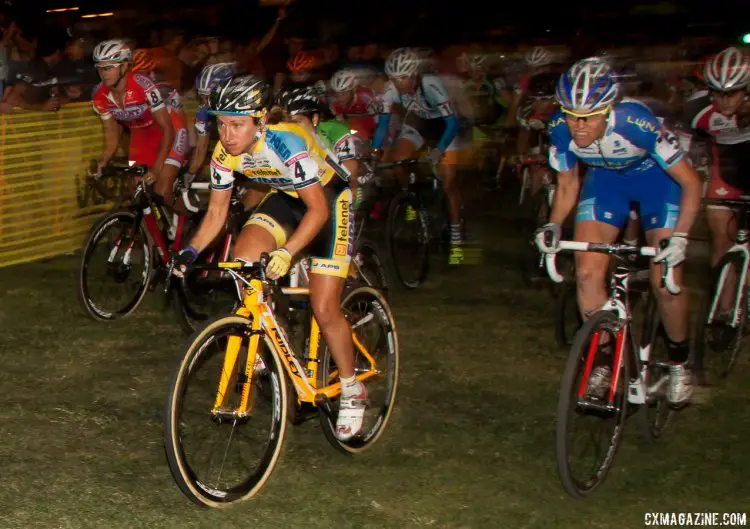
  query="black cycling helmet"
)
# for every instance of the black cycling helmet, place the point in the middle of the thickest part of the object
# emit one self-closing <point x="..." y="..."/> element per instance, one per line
<point x="542" y="86"/>
<point x="305" y="101"/>
<point x="244" y="95"/>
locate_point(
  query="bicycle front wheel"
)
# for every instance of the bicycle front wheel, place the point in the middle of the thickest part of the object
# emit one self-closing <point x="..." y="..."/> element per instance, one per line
<point x="219" y="452"/>
<point x="408" y="236"/>
<point x="372" y="323"/>
<point x="370" y="268"/>
<point x="116" y="267"/>
<point x="718" y="338"/>
<point x="589" y="425"/>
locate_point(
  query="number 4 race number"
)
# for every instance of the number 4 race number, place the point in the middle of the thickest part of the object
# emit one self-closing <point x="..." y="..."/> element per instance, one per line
<point x="299" y="172"/>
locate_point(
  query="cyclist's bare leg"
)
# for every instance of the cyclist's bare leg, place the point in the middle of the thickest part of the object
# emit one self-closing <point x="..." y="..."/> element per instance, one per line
<point x="164" y="186"/>
<point x="723" y="227"/>
<point x="674" y="309"/>
<point x="252" y="242"/>
<point x="325" y="296"/>
<point x="592" y="268"/>
<point x="536" y="173"/>
<point x="403" y="150"/>
<point x="447" y="172"/>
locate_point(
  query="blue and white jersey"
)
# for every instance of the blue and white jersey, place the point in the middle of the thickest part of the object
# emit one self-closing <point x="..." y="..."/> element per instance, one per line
<point x="635" y="140"/>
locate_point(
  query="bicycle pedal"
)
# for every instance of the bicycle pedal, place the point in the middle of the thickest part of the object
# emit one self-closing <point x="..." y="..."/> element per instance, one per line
<point x="324" y="403"/>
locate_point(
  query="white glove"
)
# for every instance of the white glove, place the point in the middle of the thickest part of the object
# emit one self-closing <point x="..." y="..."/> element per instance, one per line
<point x="540" y="237"/>
<point x="675" y="251"/>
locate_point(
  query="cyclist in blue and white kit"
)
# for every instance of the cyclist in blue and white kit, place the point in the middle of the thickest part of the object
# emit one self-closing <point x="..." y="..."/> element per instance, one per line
<point x="631" y="157"/>
<point x="209" y="76"/>
<point x="430" y="120"/>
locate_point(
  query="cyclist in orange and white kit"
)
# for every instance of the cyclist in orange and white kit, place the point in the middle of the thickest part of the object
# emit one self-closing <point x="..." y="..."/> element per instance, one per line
<point x="132" y="100"/>
<point x="144" y="63"/>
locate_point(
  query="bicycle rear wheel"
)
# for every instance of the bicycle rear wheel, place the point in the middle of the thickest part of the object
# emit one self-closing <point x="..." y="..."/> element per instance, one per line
<point x="192" y="426"/>
<point x="580" y="402"/>
<point x="718" y="340"/>
<point x="408" y="236"/>
<point x="372" y="322"/>
<point x="117" y="256"/>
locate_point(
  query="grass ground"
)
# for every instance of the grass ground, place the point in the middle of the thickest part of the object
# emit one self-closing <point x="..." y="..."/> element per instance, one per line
<point x="470" y="445"/>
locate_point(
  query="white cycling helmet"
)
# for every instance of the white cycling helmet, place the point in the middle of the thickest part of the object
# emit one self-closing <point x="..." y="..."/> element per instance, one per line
<point x="538" y="56"/>
<point x="114" y="50"/>
<point x="728" y="70"/>
<point x="402" y="62"/>
<point x="212" y="75"/>
<point x="589" y="87"/>
<point x="344" y="80"/>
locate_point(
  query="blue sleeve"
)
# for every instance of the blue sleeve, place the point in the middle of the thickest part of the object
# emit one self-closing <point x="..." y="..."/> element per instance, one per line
<point x="561" y="158"/>
<point x="201" y="121"/>
<point x="451" y="130"/>
<point x="384" y="122"/>
<point x="639" y="126"/>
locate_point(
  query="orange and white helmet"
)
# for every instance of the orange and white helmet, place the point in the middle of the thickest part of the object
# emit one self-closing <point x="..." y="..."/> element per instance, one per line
<point x="728" y="70"/>
<point x="301" y="62"/>
<point x="143" y="61"/>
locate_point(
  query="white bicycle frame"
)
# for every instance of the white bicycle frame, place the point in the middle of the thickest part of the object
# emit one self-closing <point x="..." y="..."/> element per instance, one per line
<point x="740" y="248"/>
<point x="638" y="389"/>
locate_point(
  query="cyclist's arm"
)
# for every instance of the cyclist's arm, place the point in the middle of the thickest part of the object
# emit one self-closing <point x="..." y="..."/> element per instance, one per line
<point x="690" y="198"/>
<point x="162" y="119"/>
<point x="566" y="195"/>
<point x="201" y="128"/>
<point x="565" y="162"/>
<point x="214" y="220"/>
<point x="312" y="221"/>
<point x="199" y="154"/>
<point x="112" y="134"/>
<point x="437" y="94"/>
<point x="383" y="106"/>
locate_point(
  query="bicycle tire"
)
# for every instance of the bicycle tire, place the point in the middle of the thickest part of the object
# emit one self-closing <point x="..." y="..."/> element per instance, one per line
<point x="378" y="423"/>
<point x="573" y="486"/>
<point x="182" y="472"/>
<point x="371" y="270"/>
<point x="84" y="296"/>
<point x="721" y="336"/>
<point x="399" y="204"/>
<point x="567" y="300"/>
<point x="656" y="414"/>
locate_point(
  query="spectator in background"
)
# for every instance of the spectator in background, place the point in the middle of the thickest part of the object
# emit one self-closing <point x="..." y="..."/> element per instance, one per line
<point x="22" y="78"/>
<point x="168" y="64"/>
<point x="77" y="72"/>
<point x="250" y="57"/>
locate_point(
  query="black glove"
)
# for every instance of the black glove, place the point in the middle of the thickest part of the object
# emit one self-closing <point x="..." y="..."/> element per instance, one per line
<point x="182" y="260"/>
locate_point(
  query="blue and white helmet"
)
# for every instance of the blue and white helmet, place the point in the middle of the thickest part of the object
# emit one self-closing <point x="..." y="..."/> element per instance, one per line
<point x="212" y="75"/>
<point x="587" y="88"/>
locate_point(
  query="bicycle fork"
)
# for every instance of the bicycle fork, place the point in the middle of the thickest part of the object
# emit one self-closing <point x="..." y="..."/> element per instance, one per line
<point x="742" y="249"/>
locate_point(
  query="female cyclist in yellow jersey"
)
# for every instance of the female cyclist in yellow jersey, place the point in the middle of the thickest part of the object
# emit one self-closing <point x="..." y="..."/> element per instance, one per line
<point x="308" y="207"/>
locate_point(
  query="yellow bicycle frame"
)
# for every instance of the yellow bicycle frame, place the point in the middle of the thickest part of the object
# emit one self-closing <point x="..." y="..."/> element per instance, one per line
<point x="263" y="323"/>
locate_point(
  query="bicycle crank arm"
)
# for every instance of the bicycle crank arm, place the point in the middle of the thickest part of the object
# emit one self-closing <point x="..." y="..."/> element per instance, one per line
<point x="324" y="403"/>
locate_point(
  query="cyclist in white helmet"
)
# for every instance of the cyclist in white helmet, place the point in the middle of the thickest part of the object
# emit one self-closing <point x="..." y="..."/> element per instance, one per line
<point x="353" y="103"/>
<point x="722" y="113"/>
<point x="430" y="119"/>
<point x="537" y="60"/>
<point x="631" y="157"/>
